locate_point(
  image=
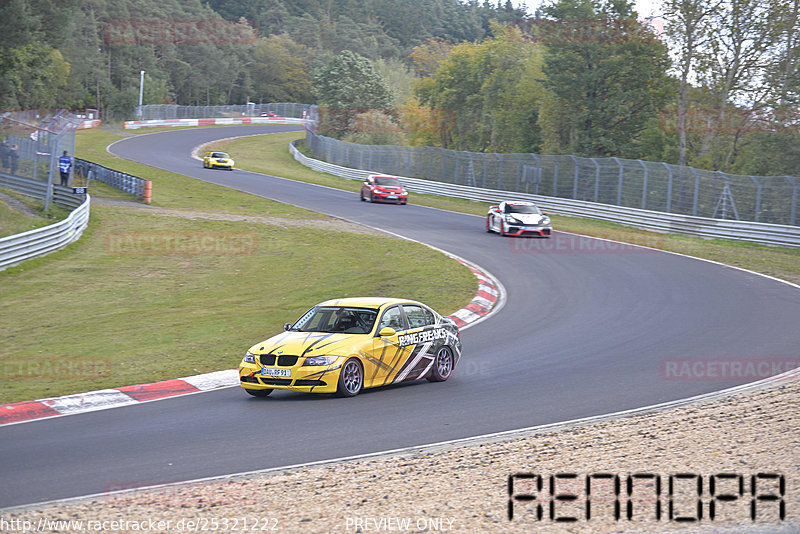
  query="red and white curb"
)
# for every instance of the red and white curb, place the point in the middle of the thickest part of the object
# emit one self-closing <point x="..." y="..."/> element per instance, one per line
<point x="490" y="291"/>
<point x="133" y="125"/>
<point x="489" y="298"/>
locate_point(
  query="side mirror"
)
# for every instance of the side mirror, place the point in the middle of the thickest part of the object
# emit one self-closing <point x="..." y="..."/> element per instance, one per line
<point x="387" y="331"/>
<point x="287" y="326"/>
<point x="544" y="212"/>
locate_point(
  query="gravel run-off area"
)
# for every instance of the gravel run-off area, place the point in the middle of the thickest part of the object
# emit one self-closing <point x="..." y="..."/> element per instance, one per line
<point x="457" y="488"/>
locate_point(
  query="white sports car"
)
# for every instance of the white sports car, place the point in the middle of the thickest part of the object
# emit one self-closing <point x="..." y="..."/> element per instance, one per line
<point x="518" y="218"/>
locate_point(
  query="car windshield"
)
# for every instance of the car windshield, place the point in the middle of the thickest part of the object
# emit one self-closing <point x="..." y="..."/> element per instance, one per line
<point x="336" y="319"/>
<point x="522" y="208"/>
<point x="219" y="155"/>
<point x="392" y="182"/>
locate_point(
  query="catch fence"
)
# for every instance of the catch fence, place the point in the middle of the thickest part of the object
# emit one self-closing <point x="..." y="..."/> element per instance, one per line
<point x="647" y="185"/>
<point x="172" y="111"/>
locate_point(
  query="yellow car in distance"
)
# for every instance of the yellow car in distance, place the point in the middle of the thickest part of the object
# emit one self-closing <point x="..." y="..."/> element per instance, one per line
<point x="342" y="346"/>
<point x="217" y="160"/>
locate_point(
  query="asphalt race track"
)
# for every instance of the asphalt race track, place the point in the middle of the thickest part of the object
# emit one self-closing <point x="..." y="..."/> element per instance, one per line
<point x="586" y="330"/>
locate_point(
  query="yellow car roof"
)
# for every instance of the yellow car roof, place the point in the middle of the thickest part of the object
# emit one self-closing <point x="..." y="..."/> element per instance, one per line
<point x="364" y="302"/>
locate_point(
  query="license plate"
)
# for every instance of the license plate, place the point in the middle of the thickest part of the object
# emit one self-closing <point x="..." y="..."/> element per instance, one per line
<point x="270" y="371"/>
<point x="391" y="197"/>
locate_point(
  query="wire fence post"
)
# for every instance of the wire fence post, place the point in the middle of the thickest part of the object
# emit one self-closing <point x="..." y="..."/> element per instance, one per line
<point x="596" y="179"/>
<point x="696" y="199"/>
<point x="644" y="185"/>
<point x="575" y="184"/>
<point x="619" y="181"/>
<point x="669" y="187"/>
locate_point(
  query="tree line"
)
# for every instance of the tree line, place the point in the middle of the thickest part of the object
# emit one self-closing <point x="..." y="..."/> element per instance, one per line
<point x="716" y="86"/>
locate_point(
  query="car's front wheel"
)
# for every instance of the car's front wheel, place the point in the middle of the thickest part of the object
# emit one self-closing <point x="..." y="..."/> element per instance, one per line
<point x="260" y="392"/>
<point x="442" y="365"/>
<point x="489" y="224"/>
<point x="351" y="379"/>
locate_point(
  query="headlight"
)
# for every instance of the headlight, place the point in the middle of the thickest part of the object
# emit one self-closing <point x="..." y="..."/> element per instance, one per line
<point x="513" y="220"/>
<point x="545" y="220"/>
<point x="320" y="360"/>
<point x="249" y="357"/>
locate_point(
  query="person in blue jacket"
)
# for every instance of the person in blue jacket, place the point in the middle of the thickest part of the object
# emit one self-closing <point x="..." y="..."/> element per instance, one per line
<point x="64" y="164"/>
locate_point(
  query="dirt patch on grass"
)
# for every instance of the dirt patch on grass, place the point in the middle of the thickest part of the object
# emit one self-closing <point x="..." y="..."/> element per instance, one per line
<point x="331" y="224"/>
<point x="18" y="205"/>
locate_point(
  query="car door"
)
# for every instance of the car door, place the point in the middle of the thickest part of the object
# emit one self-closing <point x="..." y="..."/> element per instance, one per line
<point x="389" y="353"/>
<point x="426" y="338"/>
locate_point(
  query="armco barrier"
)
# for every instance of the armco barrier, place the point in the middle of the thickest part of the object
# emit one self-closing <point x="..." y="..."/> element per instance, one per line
<point x="62" y="196"/>
<point x="133" y="125"/>
<point x="33" y="243"/>
<point x="40" y="241"/>
<point x="770" y="234"/>
<point x="139" y="187"/>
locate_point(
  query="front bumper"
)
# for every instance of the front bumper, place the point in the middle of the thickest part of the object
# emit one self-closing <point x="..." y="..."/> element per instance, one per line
<point x="541" y="231"/>
<point x="387" y="197"/>
<point x="305" y="379"/>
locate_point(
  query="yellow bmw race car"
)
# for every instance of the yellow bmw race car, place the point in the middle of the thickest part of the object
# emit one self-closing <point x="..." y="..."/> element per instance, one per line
<point x="217" y="160"/>
<point x="342" y="346"/>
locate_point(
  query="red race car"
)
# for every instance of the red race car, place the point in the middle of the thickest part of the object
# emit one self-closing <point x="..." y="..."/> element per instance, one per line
<point x="383" y="188"/>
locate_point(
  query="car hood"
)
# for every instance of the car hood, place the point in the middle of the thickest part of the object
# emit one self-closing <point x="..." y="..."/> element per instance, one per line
<point x="309" y="344"/>
<point x="528" y="218"/>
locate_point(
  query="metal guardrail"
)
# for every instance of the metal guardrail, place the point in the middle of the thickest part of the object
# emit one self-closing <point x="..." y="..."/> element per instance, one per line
<point x="770" y="234"/>
<point x="139" y="187"/>
<point x="62" y="196"/>
<point x="40" y="241"/>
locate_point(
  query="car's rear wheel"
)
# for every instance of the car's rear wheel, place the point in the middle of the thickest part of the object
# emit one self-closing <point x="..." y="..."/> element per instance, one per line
<point x="260" y="392"/>
<point x="351" y="379"/>
<point x="442" y="365"/>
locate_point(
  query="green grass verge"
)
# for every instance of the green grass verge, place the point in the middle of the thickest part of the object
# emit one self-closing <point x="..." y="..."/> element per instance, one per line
<point x="269" y="154"/>
<point x="115" y="308"/>
<point x="13" y="221"/>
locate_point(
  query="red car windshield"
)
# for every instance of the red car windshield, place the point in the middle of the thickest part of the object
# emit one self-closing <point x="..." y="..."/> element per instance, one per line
<point x="391" y="182"/>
